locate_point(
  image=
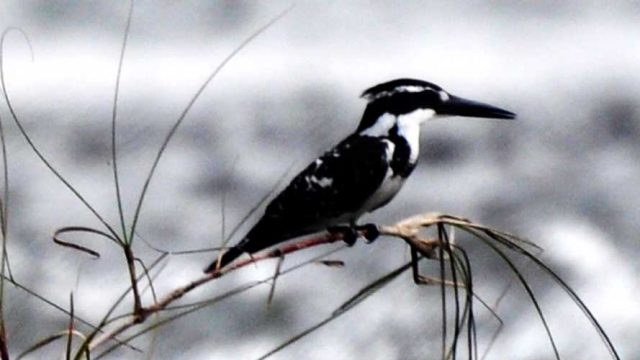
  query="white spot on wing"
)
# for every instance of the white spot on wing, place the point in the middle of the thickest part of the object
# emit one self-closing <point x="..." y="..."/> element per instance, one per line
<point x="322" y="182"/>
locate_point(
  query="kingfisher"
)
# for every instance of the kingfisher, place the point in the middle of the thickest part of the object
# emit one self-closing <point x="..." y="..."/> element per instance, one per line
<point x="361" y="173"/>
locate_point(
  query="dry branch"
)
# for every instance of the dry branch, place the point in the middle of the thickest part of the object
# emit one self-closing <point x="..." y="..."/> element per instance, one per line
<point x="407" y="230"/>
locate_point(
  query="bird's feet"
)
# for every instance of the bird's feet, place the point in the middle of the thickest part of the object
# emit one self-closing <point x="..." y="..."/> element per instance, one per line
<point x="370" y="232"/>
<point x="350" y="233"/>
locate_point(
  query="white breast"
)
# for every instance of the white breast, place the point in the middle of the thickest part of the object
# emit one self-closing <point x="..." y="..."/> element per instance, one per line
<point x="409" y="128"/>
<point x="387" y="190"/>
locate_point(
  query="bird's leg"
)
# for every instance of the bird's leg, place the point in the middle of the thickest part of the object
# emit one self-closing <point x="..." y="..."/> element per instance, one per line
<point x="349" y="233"/>
<point x="371" y="231"/>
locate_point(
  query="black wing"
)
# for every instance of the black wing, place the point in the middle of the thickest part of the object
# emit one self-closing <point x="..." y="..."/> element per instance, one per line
<point x="337" y="183"/>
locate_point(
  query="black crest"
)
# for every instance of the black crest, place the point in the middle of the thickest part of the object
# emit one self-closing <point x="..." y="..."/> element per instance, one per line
<point x="398" y="86"/>
<point x="399" y="97"/>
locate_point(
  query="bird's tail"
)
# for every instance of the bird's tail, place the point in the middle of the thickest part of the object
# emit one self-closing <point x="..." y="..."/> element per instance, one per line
<point x="226" y="259"/>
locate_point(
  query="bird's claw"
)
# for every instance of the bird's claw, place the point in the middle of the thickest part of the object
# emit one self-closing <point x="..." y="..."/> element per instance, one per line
<point x="370" y="232"/>
<point x="350" y="233"/>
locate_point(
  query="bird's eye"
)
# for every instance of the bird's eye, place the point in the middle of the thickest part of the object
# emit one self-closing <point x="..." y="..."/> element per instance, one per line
<point x="443" y="95"/>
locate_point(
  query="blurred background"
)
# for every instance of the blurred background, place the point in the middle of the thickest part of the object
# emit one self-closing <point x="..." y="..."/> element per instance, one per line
<point x="565" y="175"/>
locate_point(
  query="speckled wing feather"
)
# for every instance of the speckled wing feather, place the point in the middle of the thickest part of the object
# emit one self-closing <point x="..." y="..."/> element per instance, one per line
<point x="328" y="191"/>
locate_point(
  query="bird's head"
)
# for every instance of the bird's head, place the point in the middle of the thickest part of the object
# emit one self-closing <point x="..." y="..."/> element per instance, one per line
<point x="415" y="101"/>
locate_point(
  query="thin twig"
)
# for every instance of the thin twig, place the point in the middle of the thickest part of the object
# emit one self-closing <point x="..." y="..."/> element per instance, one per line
<point x="186" y="110"/>
<point x="178" y="293"/>
<point x="114" y="149"/>
<point x="131" y="264"/>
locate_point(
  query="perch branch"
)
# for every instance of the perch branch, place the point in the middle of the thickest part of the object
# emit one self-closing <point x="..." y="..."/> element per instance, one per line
<point x="407" y="230"/>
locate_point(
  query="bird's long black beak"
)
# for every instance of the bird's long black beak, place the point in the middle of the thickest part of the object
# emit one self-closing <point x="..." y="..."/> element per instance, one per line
<point x="455" y="105"/>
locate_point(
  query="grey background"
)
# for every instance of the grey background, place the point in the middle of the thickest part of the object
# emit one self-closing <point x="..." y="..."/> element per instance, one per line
<point x="565" y="174"/>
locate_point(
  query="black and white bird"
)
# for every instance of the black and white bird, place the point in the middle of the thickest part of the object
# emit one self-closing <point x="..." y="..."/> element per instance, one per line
<point x="363" y="172"/>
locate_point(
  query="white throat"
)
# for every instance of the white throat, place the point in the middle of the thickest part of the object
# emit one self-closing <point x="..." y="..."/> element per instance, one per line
<point x="408" y="127"/>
